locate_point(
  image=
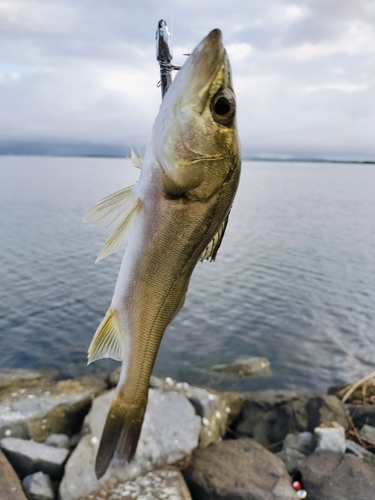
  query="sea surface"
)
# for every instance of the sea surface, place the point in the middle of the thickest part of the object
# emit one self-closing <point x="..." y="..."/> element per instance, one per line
<point x="294" y="279"/>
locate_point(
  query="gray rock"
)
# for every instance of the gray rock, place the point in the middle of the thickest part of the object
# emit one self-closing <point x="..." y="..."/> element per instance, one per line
<point x="361" y="414"/>
<point x="330" y="438"/>
<point x="357" y="450"/>
<point x="74" y="440"/>
<point x="304" y="442"/>
<point x="15" y="377"/>
<point x="237" y="469"/>
<point x="38" y="486"/>
<point x="170" y="432"/>
<point x="155" y="485"/>
<point x="243" y="367"/>
<point x="10" y="486"/>
<point x="331" y="475"/>
<point x="217" y="409"/>
<point x="268" y="416"/>
<point x="291" y="458"/>
<point x="28" y="457"/>
<point x="58" y="441"/>
<point x="368" y="432"/>
<point x="51" y="408"/>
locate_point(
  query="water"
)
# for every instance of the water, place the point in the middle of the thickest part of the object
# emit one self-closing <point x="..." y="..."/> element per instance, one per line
<point x="297" y="266"/>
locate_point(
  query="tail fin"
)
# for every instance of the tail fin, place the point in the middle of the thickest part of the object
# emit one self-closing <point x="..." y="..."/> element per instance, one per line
<point x="121" y="433"/>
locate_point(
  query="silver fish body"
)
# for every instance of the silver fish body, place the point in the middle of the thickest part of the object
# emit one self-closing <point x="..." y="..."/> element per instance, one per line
<point x="175" y="215"/>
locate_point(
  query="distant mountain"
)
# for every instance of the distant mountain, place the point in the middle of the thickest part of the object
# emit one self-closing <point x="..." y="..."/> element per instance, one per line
<point x="110" y="150"/>
<point x="62" y="149"/>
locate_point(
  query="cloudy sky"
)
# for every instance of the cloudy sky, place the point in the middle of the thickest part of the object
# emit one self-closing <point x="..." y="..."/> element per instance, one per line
<point x="82" y="73"/>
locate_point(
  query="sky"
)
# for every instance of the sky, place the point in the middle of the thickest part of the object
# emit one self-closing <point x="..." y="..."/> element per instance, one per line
<point x="81" y="75"/>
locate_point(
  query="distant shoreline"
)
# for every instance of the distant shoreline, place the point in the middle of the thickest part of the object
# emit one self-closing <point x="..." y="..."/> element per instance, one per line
<point x="249" y="158"/>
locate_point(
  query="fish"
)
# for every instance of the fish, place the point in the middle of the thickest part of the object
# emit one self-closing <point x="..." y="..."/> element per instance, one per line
<point x="173" y="217"/>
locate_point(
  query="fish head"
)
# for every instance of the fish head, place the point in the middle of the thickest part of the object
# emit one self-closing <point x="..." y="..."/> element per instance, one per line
<point x="195" y="137"/>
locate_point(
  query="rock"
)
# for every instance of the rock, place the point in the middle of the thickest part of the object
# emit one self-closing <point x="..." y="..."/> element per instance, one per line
<point x="304" y="442"/>
<point x="155" y="485"/>
<point x="58" y="441"/>
<point x="362" y="393"/>
<point x="237" y="469"/>
<point x="74" y="440"/>
<point x="361" y="414"/>
<point x="357" y="450"/>
<point x="331" y="438"/>
<point x="15" y="377"/>
<point x="243" y="367"/>
<point x="28" y="457"/>
<point x="38" y="486"/>
<point x="368" y="432"/>
<point x="54" y="407"/>
<point x="10" y="486"/>
<point x="268" y="416"/>
<point x="170" y="432"/>
<point x="217" y="409"/>
<point x="291" y="458"/>
<point x="331" y="475"/>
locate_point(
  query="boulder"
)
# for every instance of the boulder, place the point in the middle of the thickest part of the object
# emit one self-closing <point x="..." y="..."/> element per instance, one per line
<point x="291" y="458"/>
<point x="333" y="476"/>
<point x="368" y="432"/>
<point x="237" y="469"/>
<point x="243" y="367"/>
<point x="304" y="442"/>
<point x="170" y="432"/>
<point x="361" y="414"/>
<point x="58" y="441"/>
<point x="330" y="438"/>
<point x="15" y="377"/>
<point x="10" y="486"/>
<point x="155" y="485"/>
<point x="217" y="409"/>
<point x="38" y="486"/>
<point x="357" y="450"/>
<point x="54" y="407"/>
<point x="268" y="416"/>
<point x="28" y="457"/>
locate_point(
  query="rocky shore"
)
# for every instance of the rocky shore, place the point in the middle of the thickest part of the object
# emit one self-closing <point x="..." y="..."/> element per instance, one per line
<point x="196" y="443"/>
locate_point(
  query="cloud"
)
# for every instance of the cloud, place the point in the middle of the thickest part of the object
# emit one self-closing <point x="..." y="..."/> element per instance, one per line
<point x="78" y="71"/>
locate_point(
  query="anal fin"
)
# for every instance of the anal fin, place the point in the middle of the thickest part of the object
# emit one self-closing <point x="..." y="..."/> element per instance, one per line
<point x="107" y="341"/>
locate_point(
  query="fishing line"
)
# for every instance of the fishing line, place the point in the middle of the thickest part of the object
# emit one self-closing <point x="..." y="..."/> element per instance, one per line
<point x="172" y="23"/>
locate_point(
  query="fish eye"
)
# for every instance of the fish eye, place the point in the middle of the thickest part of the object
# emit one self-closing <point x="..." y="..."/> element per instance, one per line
<point x="223" y="107"/>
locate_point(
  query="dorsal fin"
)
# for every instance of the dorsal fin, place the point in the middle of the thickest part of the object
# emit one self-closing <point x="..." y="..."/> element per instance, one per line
<point x="136" y="160"/>
<point x="214" y="245"/>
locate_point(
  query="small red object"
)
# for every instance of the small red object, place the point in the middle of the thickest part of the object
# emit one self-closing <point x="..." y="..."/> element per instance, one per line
<point x="297" y="485"/>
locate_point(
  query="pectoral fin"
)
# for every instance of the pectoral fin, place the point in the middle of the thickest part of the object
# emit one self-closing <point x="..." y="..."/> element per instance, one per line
<point x="114" y="214"/>
<point x="110" y="211"/>
<point x="214" y="245"/>
<point x="177" y="182"/>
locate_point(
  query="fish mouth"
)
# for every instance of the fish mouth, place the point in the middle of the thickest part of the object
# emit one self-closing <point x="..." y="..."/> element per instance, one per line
<point x="192" y="85"/>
